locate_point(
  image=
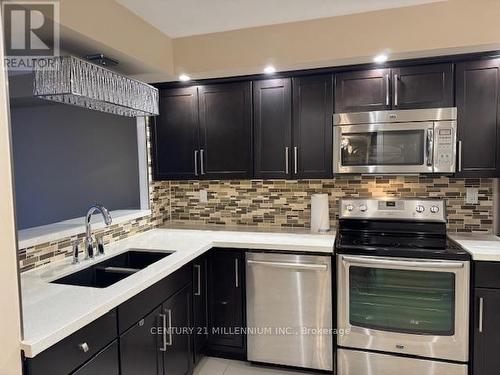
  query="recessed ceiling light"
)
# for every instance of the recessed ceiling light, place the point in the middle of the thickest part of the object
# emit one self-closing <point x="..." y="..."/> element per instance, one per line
<point x="184" y="77"/>
<point x="269" y="69"/>
<point x="382" y="58"/>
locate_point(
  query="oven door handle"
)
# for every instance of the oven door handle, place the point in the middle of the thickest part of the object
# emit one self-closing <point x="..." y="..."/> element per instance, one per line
<point x="403" y="263"/>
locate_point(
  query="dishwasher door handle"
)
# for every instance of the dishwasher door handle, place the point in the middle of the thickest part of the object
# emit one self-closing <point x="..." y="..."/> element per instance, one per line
<point x="301" y="266"/>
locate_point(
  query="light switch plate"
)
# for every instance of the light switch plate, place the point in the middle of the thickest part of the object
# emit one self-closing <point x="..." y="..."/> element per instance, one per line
<point x="203" y="196"/>
<point x="471" y="196"/>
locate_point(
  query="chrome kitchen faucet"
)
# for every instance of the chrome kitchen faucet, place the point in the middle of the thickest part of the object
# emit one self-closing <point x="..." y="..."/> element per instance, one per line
<point x="89" y="239"/>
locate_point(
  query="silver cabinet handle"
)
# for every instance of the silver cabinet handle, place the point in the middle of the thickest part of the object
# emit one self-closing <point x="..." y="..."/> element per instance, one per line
<point x="236" y="273"/>
<point x="169" y="341"/>
<point x="460" y="156"/>
<point x="429" y="147"/>
<point x="295" y="158"/>
<point x="164" y="332"/>
<point x="404" y="263"/>
<point x="196" y="162"/>
<point x="198" y="271"/>
<point x="286" y="159"/>
<point x="303" y="266"/>
<point x="481" y="314"/>
<point x="202" y="169"/>
<point x="396" y="78"/>
<point x="84" y="347"/>
<point x="387" y="98"/>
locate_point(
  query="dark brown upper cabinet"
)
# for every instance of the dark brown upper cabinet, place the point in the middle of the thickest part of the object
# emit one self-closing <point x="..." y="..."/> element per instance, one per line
<point x="425" y="86"/>
<point x="361" y="91"/>
<point x="312" y="127"/>
<point x="225" y="112"/>
<point x="477" y="97"/>
<point x="272" y="124"/>
<point x="412" y="87"/>
<point x="175" y="135"/>
<point x="204" y="132"/>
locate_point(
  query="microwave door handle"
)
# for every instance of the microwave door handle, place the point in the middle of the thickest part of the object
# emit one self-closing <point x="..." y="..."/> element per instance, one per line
<point x="387" y="97"/>
<point x="429" y="147"/>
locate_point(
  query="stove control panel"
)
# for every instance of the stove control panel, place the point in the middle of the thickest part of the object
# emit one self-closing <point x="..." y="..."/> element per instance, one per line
<point x="393" y="209"/>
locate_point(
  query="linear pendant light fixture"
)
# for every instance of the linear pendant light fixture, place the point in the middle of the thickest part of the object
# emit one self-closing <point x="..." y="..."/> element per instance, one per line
<point x="74" y="81"/>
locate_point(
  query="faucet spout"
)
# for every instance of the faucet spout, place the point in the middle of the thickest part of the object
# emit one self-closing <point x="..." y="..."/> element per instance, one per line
<point x="89" y="246"/>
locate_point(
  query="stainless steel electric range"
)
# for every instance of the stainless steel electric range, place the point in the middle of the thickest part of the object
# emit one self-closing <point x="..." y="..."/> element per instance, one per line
<point x="403" y="290"/>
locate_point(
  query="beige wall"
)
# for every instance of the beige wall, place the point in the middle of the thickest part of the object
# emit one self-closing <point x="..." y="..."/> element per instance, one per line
<point x="10" y="354"/>
<point x="453" y="26"/>
<point x="438" y="28"/>
<point x="105" y="25"/>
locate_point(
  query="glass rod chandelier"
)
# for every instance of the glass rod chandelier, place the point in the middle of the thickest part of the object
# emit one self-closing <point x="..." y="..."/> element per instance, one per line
<point x="74" y="81"/>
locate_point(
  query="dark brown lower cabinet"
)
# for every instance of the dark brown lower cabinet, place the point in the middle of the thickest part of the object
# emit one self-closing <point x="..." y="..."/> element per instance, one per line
<point x="76" y="350"/>
<point x="487" y="332"/>
<point x="106" y="362"/>
<point x="226" y="306"/>
<point x="178" y="357"/>
<point x="200" y="318"/>
<point x="161" y="342"/>
<point x="140" y="347"/>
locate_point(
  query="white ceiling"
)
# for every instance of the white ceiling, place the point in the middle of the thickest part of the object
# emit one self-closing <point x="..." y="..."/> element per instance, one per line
<point x="178" y="18"/>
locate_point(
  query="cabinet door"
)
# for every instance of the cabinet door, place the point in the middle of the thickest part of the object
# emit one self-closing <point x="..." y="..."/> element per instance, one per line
<point x="361" y="91"/>
<point x="312" y="127"/>
<point x="226" y="130"/>
<point x="272" y="126"/>
<point x="175" y="135"/>
<point x="486" y="332"/>
<point x="200" y="319"/>
<point x="106" y="362"/>
<point x="177" y="359"/>
<point x="425" y="86"/>
<point x="226" y="301"/>
<point x="140" y="347"/>
<point x="477" y="99"/>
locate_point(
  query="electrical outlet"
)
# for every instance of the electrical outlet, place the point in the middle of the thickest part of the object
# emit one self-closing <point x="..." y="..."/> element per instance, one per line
<point x="203" y="196"/>
<point x="471" y="196"/>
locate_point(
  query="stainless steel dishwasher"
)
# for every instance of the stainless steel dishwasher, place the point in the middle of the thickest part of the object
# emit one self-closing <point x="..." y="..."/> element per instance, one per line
<point x="289" y="310"/>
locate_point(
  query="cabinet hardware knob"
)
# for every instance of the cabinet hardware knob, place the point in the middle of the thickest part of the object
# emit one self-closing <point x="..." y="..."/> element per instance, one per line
<point x="84" y="347"/>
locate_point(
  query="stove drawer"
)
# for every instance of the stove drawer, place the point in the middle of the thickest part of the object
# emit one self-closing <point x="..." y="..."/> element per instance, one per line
<point x="487" y="275"/>
<point x="353" y="362"/>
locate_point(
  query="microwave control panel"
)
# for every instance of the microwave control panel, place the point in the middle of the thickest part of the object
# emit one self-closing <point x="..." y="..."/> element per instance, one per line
<point x="445" y="140"/>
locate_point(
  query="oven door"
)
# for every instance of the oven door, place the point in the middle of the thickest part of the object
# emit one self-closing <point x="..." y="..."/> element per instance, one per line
<point x="408" y="306"/>
<point x="384" y="148"/>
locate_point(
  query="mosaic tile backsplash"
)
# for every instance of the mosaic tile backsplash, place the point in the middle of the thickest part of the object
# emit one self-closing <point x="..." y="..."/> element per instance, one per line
<point x="281" y="203"/>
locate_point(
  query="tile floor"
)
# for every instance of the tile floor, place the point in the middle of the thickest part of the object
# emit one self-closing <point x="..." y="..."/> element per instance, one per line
<point x="219" y="366"/>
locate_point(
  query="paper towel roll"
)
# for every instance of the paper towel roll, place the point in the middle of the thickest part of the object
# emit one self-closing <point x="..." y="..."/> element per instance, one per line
<point x="320" y="214"/>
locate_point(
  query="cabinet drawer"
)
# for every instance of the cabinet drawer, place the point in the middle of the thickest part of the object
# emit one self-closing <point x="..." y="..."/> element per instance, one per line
<point x="67" y="355"/>
<point x="487" y="275"/>
<point x="136" y="308"/>
<point x="106" y="362"/>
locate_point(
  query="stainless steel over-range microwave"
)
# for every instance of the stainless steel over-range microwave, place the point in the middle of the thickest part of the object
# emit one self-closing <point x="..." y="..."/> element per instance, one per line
<point x="404" y="142"/>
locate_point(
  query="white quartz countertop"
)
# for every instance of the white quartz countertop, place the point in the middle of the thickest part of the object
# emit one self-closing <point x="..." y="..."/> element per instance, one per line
<point x="52" y="312"/>
<point x="482" y="247"/>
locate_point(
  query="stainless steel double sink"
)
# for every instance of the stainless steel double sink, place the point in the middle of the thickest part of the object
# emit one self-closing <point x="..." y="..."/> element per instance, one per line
<point x="112" y="270"/>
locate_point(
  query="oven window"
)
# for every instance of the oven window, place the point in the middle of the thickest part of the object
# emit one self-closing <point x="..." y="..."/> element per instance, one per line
<point x="383" y="148"/>
<point x="417" y="302"/>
